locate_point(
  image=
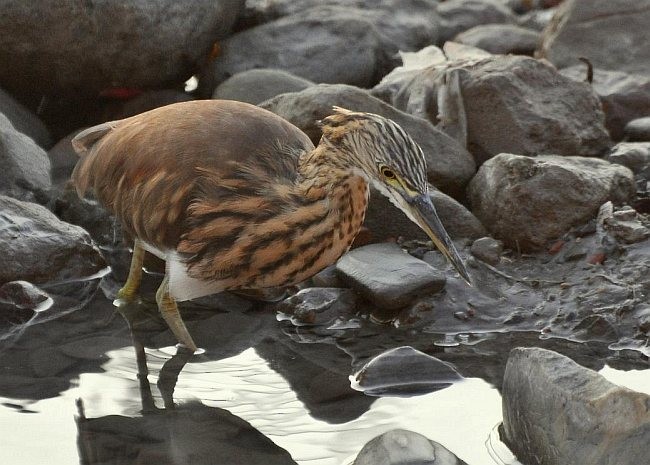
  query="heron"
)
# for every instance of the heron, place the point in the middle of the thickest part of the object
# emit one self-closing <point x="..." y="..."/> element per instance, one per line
<point x="234" y="197"/>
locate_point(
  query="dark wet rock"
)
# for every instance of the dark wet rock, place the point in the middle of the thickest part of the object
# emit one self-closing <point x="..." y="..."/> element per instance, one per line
<point x="317" y="306"/>
<point x="323" y="44"/>
<point x="449" y="166"/>
<point x="25" y="166"/>
<point x="327" y="278"/>
<point x="225" y="302"/>
<point x="47" y="361"/>
<point x="142" y="102"/>
<point x="387" y="276"/>
<point x="403" y="447"/>
<point x="624" y="96"/>
<point x="38" y="247"/>
<point x="500" y="39"/>
<point x="612" y="34"/>
<point x="23" y="120"/>
<point x="404" y="370"/>
<point x="634" y="155"/>
<point x="460" y="15"/>
<point x="557" y="412"/>
<point x="88" y="47"/>
<point x="23" y="295"/>
<point x="92" y="348"/>
<point x="63" y="159"/>
<point x="527" y="202"/>
<point x="624" y="224"/>
<point x="638" y="129"/>
<point x="257" y="85"/>
<point x="487" y="249"/>
<point x="540" y="110"/>
<point x="526" y="6"/>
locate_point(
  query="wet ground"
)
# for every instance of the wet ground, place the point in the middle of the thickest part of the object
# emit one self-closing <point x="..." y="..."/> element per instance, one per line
<point x="83" y="383"/>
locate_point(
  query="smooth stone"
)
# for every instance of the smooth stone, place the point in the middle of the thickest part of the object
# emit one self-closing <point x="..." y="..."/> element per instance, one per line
<point x="84" y="48"/>
<point x="23" y="295"/>
<point x="387" y="276"/>
<point x="612" y="34"/>
<point x="449" y="165"/>
<point x="327" y="277"/>
<point x="634" y="155"/>
<point x="487" y="249"/>
<point x="25" y="165"/>
<point x="63" y="159"/>
<point x="638" y="130"/>
<point x="460" y="15"/>
<point x="500" y="39"/>
<point x="317" y="306"/>
<point x="257" y="85"/>
<point x="403" y="447"/>
<point x="557" y="412"/>
<point x="38" y="247"/>
<point x="624" y="96"/>
<point x="526" y="202"/>
<point x="404" y="370"/>
<point x="23" y="120"/>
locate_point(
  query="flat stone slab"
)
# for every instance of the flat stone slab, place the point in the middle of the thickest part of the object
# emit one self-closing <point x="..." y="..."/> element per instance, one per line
<point x="387" y="276"/>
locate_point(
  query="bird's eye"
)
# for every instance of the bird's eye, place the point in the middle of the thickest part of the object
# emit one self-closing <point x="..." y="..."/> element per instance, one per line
<point x="387" y="172"/>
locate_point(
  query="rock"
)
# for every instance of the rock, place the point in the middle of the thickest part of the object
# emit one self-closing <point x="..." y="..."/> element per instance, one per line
<point x="624" y="96"/>
<point x="63" y="159"/>
<point x="327" y="278"/>
<point x="38" y="247"/>
<point x="638" y="130"/>
<point x="142" y="102"/>
<point x="385" y="221"/>
<point x="323" y="44"/>
<point x="500" y="39"/>
<point x="557" y="412"/>
<point x="404" y="370"/>
<point x="460" y="15"/>
<point x="540" y="110"/>
<point x="537" y="20"/>
<point x="387" y="276"/>
<point x="623" y="224"/>
<point x="84" y="48"/>
<point x="257" y="85"/>
<point x="317" y="306"/>
<point x="527" y="202"/>
<point x="24" y="295"/>
<point x="634" y="155"/>
<point x="488" y="250"/>
<point x="24" y="120"/>
<point x="25" y="166"/>
<point x="612" y="34"/>
<point x="403" y="447"/>
<point x="526" y="6"/>
<point x="449" y="166"/>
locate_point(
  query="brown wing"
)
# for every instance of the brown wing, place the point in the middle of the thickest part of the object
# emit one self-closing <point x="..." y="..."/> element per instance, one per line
<point x="147" y="169"/>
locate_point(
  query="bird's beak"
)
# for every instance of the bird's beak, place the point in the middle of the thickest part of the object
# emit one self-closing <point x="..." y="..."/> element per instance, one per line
<point x="427" y="218"/>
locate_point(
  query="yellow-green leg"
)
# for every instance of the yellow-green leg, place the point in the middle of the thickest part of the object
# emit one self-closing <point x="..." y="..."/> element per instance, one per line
<point x="131" y="287"/>
<point x="169" y="310"/>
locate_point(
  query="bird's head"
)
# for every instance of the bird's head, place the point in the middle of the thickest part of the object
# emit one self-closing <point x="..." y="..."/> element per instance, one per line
<point x="394" y="163"/>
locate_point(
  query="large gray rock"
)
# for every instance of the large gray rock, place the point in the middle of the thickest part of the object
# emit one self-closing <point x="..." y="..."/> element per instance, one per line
<point x="638" y="129"/>
<point x="449" y="166"/>
<point x="624" y="96"/>
<point x="527" y="202"/>
<point x="634" y="155"/>
<point x="25" y="166"/>
<point x="323" y="44"/>
<point x="257" y="85"/>
<point x="403" y="447"/>
<point x="556" y="412"/>
<point x="387" y="276"/>
<point x="36" y="246"/>
<point x="66" y="46"/>
<point x="460" y="15"/>
<point x="24" y="120"/>
<point x="500" y="39"/>
<point x="613" y="34"/>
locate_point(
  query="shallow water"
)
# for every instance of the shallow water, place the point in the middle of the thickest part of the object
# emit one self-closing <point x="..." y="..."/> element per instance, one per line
<point x="70" y="389"/>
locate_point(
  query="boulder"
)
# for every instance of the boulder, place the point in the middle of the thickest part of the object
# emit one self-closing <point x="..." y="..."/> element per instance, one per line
<point x="460" y="15"/>
<point x="638" y="130"/>
<point x="527" y="202"/>
<point x="624" y="96"/>
<point x="634" y="155"/>
<point x="387" y="276"/>
<point x="86" y="47"/>
<point x="449" y="166"/>
<point x="613" y="34"/>
<point x="487" y="249"/>
<point x="36" y="246"/>
<point x="317" y="306"/>
<point x="25" y="166"/>
<point x="257" y="85"/>
<point x="557" y="412"/>
<point x="24" y="120"/>
<point x="500" y="39"/>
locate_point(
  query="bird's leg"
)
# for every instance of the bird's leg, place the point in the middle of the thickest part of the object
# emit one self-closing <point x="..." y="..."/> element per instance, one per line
<point x="169" y="310"/>
<point x="132" y="284"/>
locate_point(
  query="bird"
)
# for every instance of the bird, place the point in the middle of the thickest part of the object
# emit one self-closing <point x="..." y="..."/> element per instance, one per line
<point x="234" y="197"/>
